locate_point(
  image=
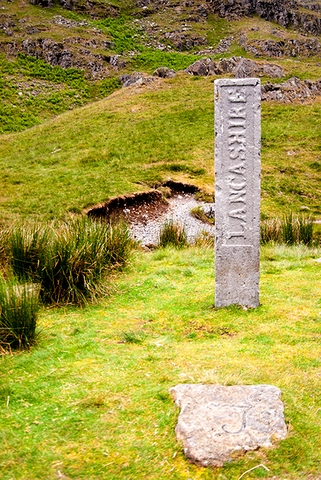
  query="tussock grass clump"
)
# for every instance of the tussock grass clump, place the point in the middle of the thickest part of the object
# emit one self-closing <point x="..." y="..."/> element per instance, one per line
<point x="205" y="240"/>
<point x="198" y="212"/>
<point x="173" y="234"/>
<point x="3" y="252"/>
<point x="19" y="305"/>
<point x="69" y="261"/>
<point x="290" y="230"/>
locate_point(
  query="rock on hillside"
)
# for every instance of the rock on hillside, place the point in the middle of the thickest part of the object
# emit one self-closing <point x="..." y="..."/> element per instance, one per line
<point x="165" y="25"/>
<point x="95" y="9"/>
<point x="293" y="89"/>
<point x="302" y="15"/>
<point x="240" y="67"/>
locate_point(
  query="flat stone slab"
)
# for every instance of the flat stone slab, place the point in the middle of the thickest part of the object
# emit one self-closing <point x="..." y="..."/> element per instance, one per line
<point x="216" y="421"/>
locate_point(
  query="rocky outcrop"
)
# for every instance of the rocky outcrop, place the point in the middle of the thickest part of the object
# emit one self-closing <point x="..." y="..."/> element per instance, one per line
<point x="164" y="72"/>
<point x="135" y="79"/>
<point x="182" y="41"/>
<point x="60" y="54"/>
<point x="293" y="89"/>
<point x="52" y="52"/>
<point x="95" y="9"/>
<point x="7" y="23"/>
<point x="42" y="3"/>
<point x="203" y="67"/>
<point x="282" y="48"/>
<point x="284" y="12"/>
<point x="316" y="7"/>
<point x="240" y="67"/>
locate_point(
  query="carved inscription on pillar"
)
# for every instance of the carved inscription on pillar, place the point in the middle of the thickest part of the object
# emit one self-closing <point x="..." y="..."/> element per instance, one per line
<point x="237" y="191"/>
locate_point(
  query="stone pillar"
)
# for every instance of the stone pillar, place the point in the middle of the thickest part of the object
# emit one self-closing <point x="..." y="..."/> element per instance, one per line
<point x="237" y="191"/>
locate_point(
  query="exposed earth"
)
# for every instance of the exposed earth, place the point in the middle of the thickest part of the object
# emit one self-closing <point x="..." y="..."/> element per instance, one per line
<point x="146" y="225"/>
<point x="147" y="212"/>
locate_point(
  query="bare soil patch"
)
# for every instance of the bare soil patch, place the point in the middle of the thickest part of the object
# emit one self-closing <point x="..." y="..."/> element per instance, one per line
<point x="146" y="212"/>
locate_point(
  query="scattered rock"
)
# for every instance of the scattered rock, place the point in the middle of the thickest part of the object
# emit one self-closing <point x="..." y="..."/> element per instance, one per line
<point x="284" y="12"/>
<point x="42" y="3"/>
<point x="116" y="61"/>
<point x="95" y="9"/>
<point x="65" y="22"/>
<point x="209" y="211"/>
<point x="203" y="67"/>
<point x="246" y="68"/>
<point x="217" y="422"/>
<point x="135" y="79"/>
<point x="7" y="22"/>
<point x="184" y="41"/>
<point x="239" y="66"/>
<point x="281" y="48"/>
<point x="293" y="89"/>
<point x="164" y="72"/>
<point x="224" y="45"/>
<point x="54" y="53"/>
<point x="31" y="30"/>
<point x="62" y="54"/>
<point x="146" y="225"/>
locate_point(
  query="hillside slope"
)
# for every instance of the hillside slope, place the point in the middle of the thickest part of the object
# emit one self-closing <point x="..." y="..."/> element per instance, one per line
<point x="143" y="136"/>
<point x="59" y="56"/>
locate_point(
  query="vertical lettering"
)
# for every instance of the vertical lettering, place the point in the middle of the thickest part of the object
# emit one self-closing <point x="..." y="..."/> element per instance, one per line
<point x="237" y="191"/>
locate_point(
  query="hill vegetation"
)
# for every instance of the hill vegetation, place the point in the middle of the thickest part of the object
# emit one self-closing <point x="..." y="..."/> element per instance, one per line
<point x="58" y="57"/>
<point x="90" y="399"/>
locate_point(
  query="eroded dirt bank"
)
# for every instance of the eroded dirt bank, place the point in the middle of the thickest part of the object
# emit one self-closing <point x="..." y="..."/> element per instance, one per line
<point x="146" y="212"/>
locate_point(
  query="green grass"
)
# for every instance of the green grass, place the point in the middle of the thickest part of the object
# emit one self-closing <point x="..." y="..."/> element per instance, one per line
<point x="125" y="36"/>
<point x="19" y="305"/>
<point x="68" y="261"/>
<point x="289" y="230"/>
<point x="32" y="91"/>
<point x="94" y="391"/>
<point x="90" y="400"/>
<point x="134" y="139"/>
<point x="172" y="234"/>
<point x="150" y="60"/>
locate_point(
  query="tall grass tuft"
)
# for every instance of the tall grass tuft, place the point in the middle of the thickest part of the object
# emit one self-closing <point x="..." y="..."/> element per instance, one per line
<point x="305" y="227"/>
<point x="204" y="240"/>
<point x="19" y="305"/>
<point x="69" y="261"/>
<point x="3" y="249"/>
<point x="173" y="234"/>
<point x="271" y="231"/>
<point x="26" y="244"/>
<point x="290" y="230"/>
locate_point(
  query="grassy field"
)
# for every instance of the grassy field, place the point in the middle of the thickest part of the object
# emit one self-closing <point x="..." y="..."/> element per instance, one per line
<point x="139" y="137"/>
<point x="91" y="400"/>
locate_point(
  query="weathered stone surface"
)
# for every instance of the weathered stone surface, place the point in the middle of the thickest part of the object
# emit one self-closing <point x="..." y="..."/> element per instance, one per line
<point x="237" y="192"/>
<point x="183" y="41"/>
<point x="136" y="79"/>
<point x="216" y="421"/>
<point x="52" y="52"/>
<point x="7" y="22"/>
<point x="164" y="72"/>
<point x="239" y="66"/>
<point x="202" y="67"/>
<point x="290" y="47"/>
<point x="293" y="89"/>
<point x="247" y="68"/>
<point x="97" y="9"/>
<point x="284" y="12"/>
